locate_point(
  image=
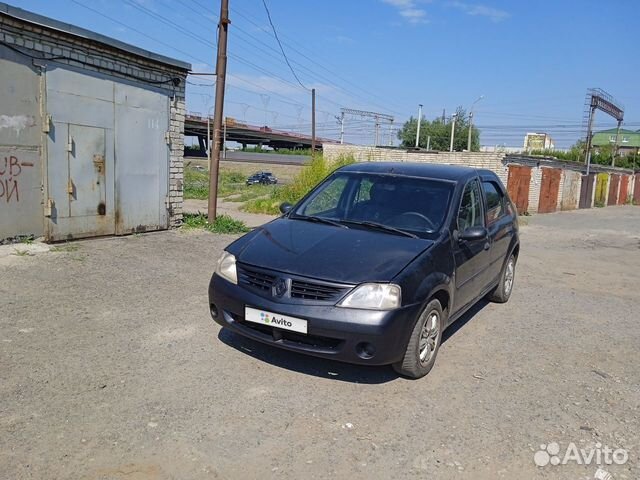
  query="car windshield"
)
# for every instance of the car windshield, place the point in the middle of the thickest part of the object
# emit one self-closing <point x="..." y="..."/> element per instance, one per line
<point x="413" y="205"/>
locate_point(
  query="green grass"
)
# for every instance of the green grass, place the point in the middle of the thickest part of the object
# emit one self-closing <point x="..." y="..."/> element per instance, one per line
<point x="222" y="224"/>
<point x="22" y="253"/>
<point x="251" y="193"/>
<point x="196" y="183"/>
<point x="309" y="177"/>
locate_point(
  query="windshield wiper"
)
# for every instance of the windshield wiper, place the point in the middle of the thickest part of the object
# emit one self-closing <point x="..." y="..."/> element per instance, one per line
<point x="380" y="226"/>
<point x="312" y="218"/>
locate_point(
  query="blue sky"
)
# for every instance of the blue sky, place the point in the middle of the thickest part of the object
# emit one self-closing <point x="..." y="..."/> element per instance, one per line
<point x="532" y="60"/>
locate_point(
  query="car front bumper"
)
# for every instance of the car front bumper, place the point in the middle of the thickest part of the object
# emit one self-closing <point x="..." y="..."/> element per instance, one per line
<point x="367" y="337"/>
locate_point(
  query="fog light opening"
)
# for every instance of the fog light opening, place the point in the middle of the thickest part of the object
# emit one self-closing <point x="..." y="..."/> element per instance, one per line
<point x="214" y="311"/>
<point x="365" y="350"/>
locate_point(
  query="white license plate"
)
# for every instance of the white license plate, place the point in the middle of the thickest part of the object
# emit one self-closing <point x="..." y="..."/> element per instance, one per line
<point x="275" y="320"/>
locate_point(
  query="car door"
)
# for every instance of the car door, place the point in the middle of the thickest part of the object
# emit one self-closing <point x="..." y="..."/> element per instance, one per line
<point x="499" y="226"/>
<point x="472" y="257"/>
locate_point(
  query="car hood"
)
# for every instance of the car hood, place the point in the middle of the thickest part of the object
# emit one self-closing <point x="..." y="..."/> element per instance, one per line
<point x="326" y="252"/>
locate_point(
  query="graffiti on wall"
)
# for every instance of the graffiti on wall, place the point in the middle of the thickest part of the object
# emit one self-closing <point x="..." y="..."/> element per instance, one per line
<point x="10" y="170"/>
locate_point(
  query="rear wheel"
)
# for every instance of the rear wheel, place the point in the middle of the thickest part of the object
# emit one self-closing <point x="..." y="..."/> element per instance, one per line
<point x="503" y="291"/>
<point x="422" y="349"/>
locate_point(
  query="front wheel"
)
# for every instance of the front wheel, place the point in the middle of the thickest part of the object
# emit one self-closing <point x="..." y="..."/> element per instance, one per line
<point x="422" y="349"/>
<point x="503" y="291"/>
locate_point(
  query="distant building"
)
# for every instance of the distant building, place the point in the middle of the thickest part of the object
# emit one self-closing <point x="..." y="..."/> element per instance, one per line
<point x="628" y="140"/>
<point x="538" y="141"/>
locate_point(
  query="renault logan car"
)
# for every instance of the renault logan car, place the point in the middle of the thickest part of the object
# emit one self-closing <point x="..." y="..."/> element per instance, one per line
<point x="372" y="265"/>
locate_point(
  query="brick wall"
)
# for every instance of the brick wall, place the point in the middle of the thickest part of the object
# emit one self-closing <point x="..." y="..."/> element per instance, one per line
<point x="50" y="45"/>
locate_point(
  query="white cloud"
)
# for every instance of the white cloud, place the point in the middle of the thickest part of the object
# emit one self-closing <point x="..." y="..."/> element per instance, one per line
<point x="493" y="14"/>
<point x="409" y="10"/>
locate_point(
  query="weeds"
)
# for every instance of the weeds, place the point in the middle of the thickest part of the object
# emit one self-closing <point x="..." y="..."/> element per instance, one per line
<point x="309" y="177"/>
<point x="22" y="253"/>
<point x="66" y="248"/>
<point x="222" y="224"/>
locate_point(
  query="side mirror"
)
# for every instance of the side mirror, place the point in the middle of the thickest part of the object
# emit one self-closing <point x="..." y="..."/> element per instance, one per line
<point x="285" y="207"/>
<point x="473" y="233"/>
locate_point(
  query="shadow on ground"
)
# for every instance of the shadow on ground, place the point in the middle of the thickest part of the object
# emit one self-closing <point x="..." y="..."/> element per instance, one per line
<point x="319" y="367"/>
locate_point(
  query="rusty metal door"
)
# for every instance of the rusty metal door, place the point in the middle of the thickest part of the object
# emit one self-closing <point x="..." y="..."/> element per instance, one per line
<point x="602" y="180"/>
<point x="613" y="190"/>
<point x="570" y="190"/>
<point x="549" y="188"/>
<point x="624" y="189"/>
<point x="586" y="190"/>
<point x="80" y="160"/>
<point x="636" y="190"/>
<point x="142" y="152"/>
<point x="518" y="186"/>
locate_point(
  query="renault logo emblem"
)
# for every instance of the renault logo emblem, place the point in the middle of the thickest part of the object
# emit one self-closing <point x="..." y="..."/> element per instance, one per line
<point x="280" y="287"/>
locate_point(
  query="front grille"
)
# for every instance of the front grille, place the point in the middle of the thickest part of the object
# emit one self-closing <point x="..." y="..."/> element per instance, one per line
<point x="315" y="342"/>
<point x="262" y="280"/>
<point x="315" y="291"/>
<point x="256" y="279"/>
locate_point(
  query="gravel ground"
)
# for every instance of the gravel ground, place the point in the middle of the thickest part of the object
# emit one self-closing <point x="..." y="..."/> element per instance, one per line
<point x="110" y="368"/>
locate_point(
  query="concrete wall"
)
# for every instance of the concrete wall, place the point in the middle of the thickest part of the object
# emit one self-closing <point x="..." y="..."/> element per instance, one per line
<point x="31" y="50"/>
<point x="498" y="162"/>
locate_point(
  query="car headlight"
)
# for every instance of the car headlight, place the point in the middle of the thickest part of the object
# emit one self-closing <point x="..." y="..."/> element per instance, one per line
<point x="226" y="267"/>
<point x="374" y="296"/>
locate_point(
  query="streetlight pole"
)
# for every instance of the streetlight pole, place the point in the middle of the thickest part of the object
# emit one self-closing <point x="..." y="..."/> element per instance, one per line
<point x="471" y="121"/>
<point x="453" y="130"/>
<point x="419" y="120"/>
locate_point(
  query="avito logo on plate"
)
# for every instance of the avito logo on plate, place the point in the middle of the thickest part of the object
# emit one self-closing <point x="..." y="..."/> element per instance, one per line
<point x="551" y="454"/>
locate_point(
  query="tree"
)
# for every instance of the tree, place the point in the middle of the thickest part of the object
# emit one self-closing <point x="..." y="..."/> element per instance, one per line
<point x="440" y="133"/>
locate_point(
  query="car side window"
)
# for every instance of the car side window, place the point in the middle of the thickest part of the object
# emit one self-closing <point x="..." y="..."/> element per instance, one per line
<point x="327" y="200"/>
<point x="495" y="202"/>
<point x="470" y="213"/>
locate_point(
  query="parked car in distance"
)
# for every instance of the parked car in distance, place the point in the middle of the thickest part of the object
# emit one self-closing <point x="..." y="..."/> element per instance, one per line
<point x="372" y="265"/>
<point x="264" y="178"/>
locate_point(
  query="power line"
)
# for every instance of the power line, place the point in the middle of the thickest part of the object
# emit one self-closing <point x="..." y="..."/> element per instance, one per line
<point x="275" y="33"/>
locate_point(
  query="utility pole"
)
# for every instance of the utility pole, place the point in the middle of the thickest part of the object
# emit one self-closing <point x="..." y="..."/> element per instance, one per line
<point x="589" y="138"/>
<point x="617" y="146"/>
<point x="471" y="122"/>
<point x="313" y="122"/>
<point x="419" y="120"/>
<point x="377" y="127"/>
<point x="341" y="120"/>
<point x="221" y="75"/>
<point x="453" y="130"/>
<point x="470" y="129"/>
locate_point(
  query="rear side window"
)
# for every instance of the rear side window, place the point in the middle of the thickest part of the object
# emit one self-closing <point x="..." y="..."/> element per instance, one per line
<point x="470" y="213"/>
<point x="495" y="202"/>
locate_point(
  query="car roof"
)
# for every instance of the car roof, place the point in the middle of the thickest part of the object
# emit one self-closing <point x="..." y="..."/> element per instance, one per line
<point x="414" y="169"/>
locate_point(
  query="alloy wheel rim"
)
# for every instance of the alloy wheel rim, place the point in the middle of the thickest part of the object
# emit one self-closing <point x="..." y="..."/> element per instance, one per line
<point x="508" y="276"/>
<point x="429" y="337"/>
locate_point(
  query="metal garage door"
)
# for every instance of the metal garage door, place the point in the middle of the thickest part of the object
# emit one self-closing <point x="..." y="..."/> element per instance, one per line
<point x="80" y="161"/>
<point x="142" y="159"/>
<point x="602" y="180"/>
<point x="613" y="189"/>
<point x="624" y="189"/>
<point x="636" y="190"/>
<point x="586" y="190"/>
<point x="549" y="188"/>
<point x="570" y="190"/>
<point x="518" y="186"/>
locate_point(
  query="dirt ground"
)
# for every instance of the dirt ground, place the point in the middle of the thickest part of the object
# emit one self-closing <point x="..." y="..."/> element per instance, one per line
<point x="110" y="368"/>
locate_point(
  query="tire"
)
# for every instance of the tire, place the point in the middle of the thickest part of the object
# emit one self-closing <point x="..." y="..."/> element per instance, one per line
<point x="417" y="362"/>
<point x="502" y="292"/>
